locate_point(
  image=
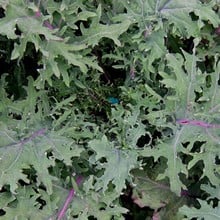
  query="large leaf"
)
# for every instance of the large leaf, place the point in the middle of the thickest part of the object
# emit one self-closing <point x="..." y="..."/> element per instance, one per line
<point x="97" y="31"/>
<point x="184" y="77"/>
<point x="26" y="206"/>
<point x="175" y="166"/>
<point x="206" y="212"/>
<point x="156" y="195"/>
<point x="56" y="50"/>
<point x="17" y="14"/>
<point x="32" y="152"/>
<point x="117" y="166"/>
<point x="97" y="205"/>
<point x="149" y="193"/>
<point x="214" y="192"/>
<point x="155" y="44"/>
<point x="177" y="12"/>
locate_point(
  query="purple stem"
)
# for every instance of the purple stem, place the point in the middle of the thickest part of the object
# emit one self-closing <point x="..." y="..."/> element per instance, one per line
<point x="66" y="204"/>
<point x="37" y="133"/>
<point x="132" y="73"/>
<point x="33" y="136"/>
<point x="196" y="123"/>
<point x="37" y="14"/>
<point x="46" y="23"/>
<point x="184" y="193"/>
<point x="68" y="200"/>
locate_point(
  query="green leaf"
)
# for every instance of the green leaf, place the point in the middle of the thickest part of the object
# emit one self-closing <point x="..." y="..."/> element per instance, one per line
<point x="130" y="129"/>
<point x="178" y="80"/>
<point x="116" y="168"/>
<point x="154" y="43"/>
<point x="152" y="92"/>
<point x="52" y="47"/>
<point x="175" y="166"/>
<point x="206" y="13"/>
<point x="5" y="199"/>
<point x="177" y="12"/>
<point x="182" y="77"/>
<point x="155" y="195"/>
<point x="32" y="152"/>
<point x="149" y="193"/>
<point x="214" y="192"/>
<point x="97" y="31"/>
<point x="4" y="3"/>
<point x="62" y="49"/>
<point x="25" y="206"/>
<point x="206" y="212"/>
<point x="97" y="205"/>
<point x="159" y="58"/>
<point x="211" y="93"/>
<point x="81" y="16"/>
<point x="208" y="158"/>
<point x="17" y="14"/>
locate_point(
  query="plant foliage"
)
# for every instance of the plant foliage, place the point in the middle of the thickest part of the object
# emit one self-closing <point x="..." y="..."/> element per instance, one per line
<point x="123" y="94"/>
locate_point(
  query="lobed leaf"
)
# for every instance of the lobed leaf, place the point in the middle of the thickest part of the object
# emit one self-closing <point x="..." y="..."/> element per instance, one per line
<point x="205" y="212"/>
<point x="116" y="168"/>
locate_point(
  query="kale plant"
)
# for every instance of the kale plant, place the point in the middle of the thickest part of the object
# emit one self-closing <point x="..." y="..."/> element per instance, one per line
<point x="109" y="109"/>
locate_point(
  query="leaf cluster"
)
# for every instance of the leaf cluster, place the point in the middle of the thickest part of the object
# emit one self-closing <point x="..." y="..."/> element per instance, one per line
<point x="62" y="64"/>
